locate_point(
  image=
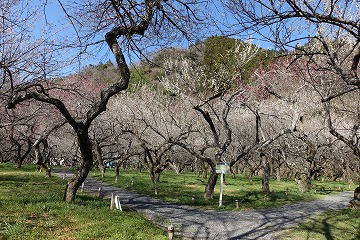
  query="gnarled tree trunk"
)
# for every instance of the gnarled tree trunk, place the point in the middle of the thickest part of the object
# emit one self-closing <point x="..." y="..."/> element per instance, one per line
<point x="210" y="185"/>
<point x="21" y="157"/>
<point x="156" y="167"/>
<point x="39" y="158"/>
<point x="84" y="168"/>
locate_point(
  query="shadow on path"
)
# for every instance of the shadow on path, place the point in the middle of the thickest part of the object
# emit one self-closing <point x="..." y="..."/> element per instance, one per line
<point x="200" y="224"/>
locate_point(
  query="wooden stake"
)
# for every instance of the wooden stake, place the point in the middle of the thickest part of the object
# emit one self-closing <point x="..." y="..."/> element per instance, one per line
<point x="112" y="201"/>
<point x="171" y="231"/>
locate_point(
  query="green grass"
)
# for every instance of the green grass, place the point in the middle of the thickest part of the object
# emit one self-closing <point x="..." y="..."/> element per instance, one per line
<point x="180" y="188"/>
<point x="31" y="207"/>
<point x="343" y="224"/>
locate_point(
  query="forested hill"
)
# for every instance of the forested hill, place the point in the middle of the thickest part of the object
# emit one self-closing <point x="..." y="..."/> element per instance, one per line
<point x="221" y="61"/>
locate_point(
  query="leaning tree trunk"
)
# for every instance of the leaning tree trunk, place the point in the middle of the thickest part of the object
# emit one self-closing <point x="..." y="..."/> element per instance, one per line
<point x="210" y="186"/>
<point x="84" y="168"/>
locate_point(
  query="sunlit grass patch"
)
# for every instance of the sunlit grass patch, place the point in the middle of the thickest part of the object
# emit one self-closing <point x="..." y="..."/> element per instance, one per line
<point x="183" y="188"/>
<point x="32" y="208"/>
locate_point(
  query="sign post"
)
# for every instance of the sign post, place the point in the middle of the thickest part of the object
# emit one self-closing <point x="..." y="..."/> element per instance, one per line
<point x="221" y="188"/>
<point x="222" y="168"/>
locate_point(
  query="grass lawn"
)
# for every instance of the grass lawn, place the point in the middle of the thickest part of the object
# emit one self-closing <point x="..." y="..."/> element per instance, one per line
<point x="343" y="224"/>
<point x="180" y="188"/>
<point x="31" y="207"/>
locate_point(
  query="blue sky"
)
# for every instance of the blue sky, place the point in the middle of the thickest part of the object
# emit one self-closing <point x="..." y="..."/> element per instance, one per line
<point x="56" y="18"/>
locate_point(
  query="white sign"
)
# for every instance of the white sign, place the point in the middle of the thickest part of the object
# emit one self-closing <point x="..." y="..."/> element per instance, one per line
<point x="223" y="168"/>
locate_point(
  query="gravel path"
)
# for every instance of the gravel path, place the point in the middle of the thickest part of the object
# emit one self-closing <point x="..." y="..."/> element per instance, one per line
<point x="199" y="224"/>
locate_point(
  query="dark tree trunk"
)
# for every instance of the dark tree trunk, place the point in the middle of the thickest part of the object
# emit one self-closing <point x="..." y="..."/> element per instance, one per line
<point x="39" y="159"/>
<point x="21" y="157"/>
<point x="140" y="166"/>
<point x="84" y="168"/>
<point x="156" y="167"/>
<point x="303" y="181"/>
<point x="102" y="169"/>
<point x="266" y="174"/>
<point x="210" y="186"/>
<point x="152" y="174"/>
<point x="38" y="92"/>
<point x="99" y="158"/>
<point x="19" y="164"/>
<point x="203" y="169"/>
<point x="155" y="177"/>
<point x="117" y="169"/>
<point x="355" y="203"/>
<point x="278" y="174"/>
<point x="155" y="172"/>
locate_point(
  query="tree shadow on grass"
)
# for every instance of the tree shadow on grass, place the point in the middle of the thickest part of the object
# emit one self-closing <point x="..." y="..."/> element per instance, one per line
<point x="342" y="224"/>
<point x="258" y="200"/>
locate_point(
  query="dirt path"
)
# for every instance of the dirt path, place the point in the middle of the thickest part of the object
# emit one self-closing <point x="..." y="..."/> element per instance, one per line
<point x="198" y="224"/>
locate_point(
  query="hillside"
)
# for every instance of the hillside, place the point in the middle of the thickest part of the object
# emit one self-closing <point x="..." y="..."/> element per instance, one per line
<point x="222" y="59"/>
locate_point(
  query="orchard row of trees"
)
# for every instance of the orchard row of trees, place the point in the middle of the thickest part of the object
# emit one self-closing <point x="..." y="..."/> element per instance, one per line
<point x="289" y="112"/>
